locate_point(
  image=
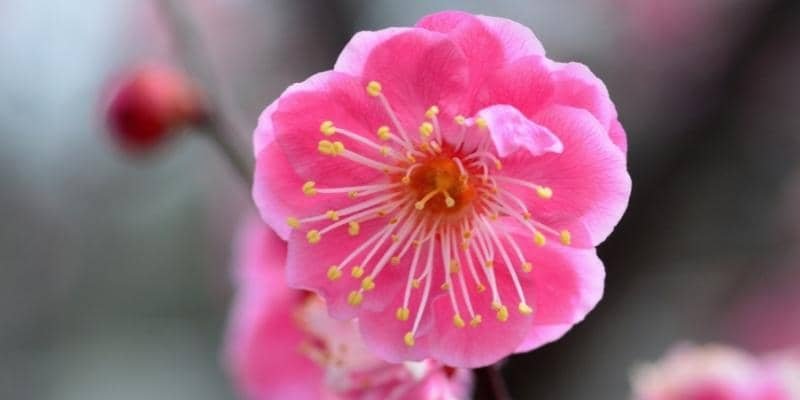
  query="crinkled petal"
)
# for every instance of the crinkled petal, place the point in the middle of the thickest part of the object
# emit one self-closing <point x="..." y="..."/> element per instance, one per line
<point x="511" y="132"/>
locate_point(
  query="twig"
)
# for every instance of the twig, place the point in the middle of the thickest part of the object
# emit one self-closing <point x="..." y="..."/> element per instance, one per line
<point x="223" y="122"/>
<point x="490" y="375"/>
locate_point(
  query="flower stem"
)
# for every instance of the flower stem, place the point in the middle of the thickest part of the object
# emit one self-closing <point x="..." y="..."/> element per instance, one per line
<point x="493" y="379"/>
<point x="223" y="122"/>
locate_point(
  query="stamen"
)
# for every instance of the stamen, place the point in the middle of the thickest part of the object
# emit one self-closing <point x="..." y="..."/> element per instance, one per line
<point x="327" y="128"/>
<point x="308" y="188"/>
<point x="421" y="204"/>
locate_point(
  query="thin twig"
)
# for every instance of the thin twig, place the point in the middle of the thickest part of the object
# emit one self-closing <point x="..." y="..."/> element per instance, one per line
<point x="223" y="122"/>
<point x="495" y="382"/>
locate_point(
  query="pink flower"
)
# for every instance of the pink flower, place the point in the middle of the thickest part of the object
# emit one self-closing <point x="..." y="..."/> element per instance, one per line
<point x="283" y="345"/>
<point x="709" y="372"/>
<point x="447" y="184"/>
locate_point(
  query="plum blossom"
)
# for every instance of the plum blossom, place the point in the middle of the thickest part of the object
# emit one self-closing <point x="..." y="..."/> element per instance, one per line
<point x="282" y="344"/>
<point x="447" y="184"/>
<point x="712" y="372"/>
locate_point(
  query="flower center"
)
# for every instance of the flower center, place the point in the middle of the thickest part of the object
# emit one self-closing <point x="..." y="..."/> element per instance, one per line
<point x="439" y="187"/>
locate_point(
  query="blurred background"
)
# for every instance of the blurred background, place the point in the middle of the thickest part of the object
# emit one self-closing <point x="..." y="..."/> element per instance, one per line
<point x="114" y="269"/>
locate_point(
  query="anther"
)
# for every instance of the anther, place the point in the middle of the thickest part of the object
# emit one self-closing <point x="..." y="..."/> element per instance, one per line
<point x="374" y="88"/>
<point x="481" y="123"/>
<point x="454" y="268"/>
<point x="384" y="133"/>
<point x="402" y="313"/>
<point x="313" y="236"/>
<point x="334" y="272"/>
<point x="395" y="238"/>
<point x="368" y="283"/>
<point x="525" y="309"/>
<point x="489" y="264"/>
<point x="327" y="128"/>
<point x="395" y="260"/>
<point x="293" y="222"/>
<point x="480" y="288"/>
<point x="527" y="266"/>
<point x="309" y="189"/>
<point x="566" y="238"/>
<point x="458" y="321"/>
<point x="426" y="129"/>
<point x="415" y="283"/>
<point x="332" y="215"/>
<point x="353" y="228"/>
<point x="476" y="320"/>
<point x="352" y="194"/>
<point x="432" y="112"/>
<point x="544" y="192"/>
<point x="355" y="298"/>
<point x="409" y="339"/>
<point x="357" y="272"/>
<point x="448" y="201"/>
<point x="445" y="286"/>
<point x="539" y="239"/>
<point x="460" y="120"/>
<point x="502" y="314"/>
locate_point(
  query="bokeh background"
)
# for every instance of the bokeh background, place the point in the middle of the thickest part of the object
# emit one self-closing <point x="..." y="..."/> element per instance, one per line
<point x="114" y="270"/>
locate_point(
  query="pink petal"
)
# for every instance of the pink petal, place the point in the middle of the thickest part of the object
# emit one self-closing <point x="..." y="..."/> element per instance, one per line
<point x="307" y="266"/>
<point x="484" y="39"/>
<point x="511" y="132"/>
<point x="264" y="133"/>
<point x="418" y="68"/>
<point x="589" y="180"/>
<point x="567" y="284"/>
<point x="490" y="341"/>
<point x="576" y="86"/>
<point x="355" y="54"/>
<point x="524" y="83"/>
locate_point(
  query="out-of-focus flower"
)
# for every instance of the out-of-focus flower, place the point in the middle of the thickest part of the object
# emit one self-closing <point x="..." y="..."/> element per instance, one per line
<point x="283" y="345"/>
<point x="711" y="372"/>
<point x="447" y="184"/>
<point x="148" y="104"/>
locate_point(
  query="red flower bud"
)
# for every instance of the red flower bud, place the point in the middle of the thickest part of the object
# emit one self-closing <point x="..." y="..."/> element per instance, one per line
<point x="149" y="104"/>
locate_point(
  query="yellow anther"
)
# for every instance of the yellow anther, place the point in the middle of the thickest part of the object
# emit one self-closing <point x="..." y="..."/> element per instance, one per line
<point x="332" y="215"/>
<point x="395" y="238"/>
<point x="458" y="321"/>
<point x="338" y="148"/>
<point x="327" y="128"/>
<point x="334" y="272"/>
<point x="476" y="320"/>
<point x="355" y="298"/>
<point x="409" y="339"/>
<point x="480" y="288"/>
<point x="467" y="234"/>
<point x="406" y="180"/>
<point x="357" y="272"/>
<point x="502" y="314"/>
<point x="325" y="147"/>
<point x="432" y="112"/>
<point x="489" y="264"/>
<point x="527" y="266"/>
<point x="526" y="215"/>
<point x="419" y="205"/>
<point x="460" y="120"/>
<point x="309" y="189"/>
<point x="481" y="123"/>
<point x="454" y="268"/>
<point x="498" y="165"/>
<point x="544" y="192"/>
<point x="368" y="283"/>
<point x="384" y="133"/>
<point x="445" y="286"/>
<point x="313" y="236"/>
<point x="449" y="202"/>
<point x="352" y="194"/>
<point x="525" y="309"/>
<point x="373" y="88"/>
<point x="395" y="260"/>
<point x="293" y="222"/>
<point x="426" y="129"/>
<point x="353" y="228"/>
<point x="385" y="151"/>
<point x="402" y="313"/>
<point x="566" y="238"/>
<point x="415" y="283"/>
<point x="539" y="239"/>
